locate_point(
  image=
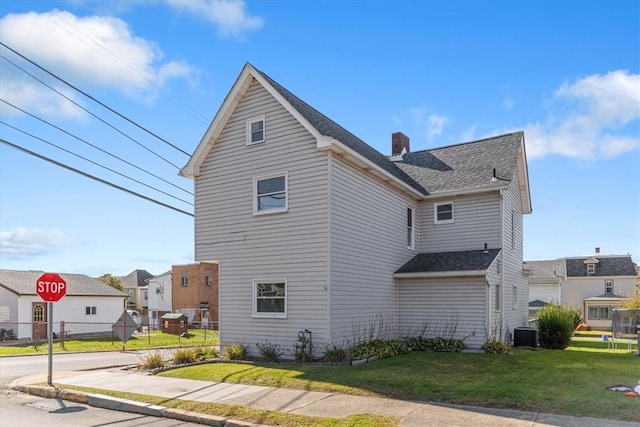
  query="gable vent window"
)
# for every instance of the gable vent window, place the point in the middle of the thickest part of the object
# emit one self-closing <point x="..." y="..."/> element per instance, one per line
<point x="591" y="268"/>
<point x="443" y="213"/>
<point x="270" y="194"/>
<point x="255" y="130"/>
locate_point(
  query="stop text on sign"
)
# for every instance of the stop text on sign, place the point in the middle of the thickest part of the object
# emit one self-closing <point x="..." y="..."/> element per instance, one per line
<point x="51" y="287"/>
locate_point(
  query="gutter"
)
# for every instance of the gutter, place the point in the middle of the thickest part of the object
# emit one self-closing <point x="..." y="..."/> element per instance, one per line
<point x="437" y="274"/>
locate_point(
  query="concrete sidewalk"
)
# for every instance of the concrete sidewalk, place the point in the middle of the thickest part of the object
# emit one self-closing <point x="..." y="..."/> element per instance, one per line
<point x="410" y="414"/>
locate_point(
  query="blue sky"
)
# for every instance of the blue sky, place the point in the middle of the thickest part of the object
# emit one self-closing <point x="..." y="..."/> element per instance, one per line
<point x="565" y="72"/>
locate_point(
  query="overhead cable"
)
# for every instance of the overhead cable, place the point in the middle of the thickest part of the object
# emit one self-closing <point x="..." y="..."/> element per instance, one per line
<point x="92" y="145"/>
<point x="93" y="99"/>
<point x="95" y="178"/>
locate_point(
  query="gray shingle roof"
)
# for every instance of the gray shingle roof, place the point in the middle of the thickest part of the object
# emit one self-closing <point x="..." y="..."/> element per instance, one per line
<point x="538" y="303"/>
<point x="608" y="266"/>
<point x="476" y="260"/>
<point x="328" y="127"/>
<point x="541" y="270"/>
<point x="24" y="283"/>
<point x="465" y="166"/>
<point x="135" y="278"/>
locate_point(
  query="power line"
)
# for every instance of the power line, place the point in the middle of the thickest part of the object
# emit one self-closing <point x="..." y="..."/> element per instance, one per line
<point x="92" y="145"/>
<point x="89" y="112"/>
<point x="95" y="178"/>
<point x="95" y="163"/>
<point x="93" y="99"/>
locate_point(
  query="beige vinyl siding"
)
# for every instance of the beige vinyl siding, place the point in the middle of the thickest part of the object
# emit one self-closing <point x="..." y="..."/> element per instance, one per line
<point x="368" y="244"/>
<point x="449" y="308"/>
<point x="291" y="245"/>
<point x="476" y="222"/>
<point x="512" y="260"/>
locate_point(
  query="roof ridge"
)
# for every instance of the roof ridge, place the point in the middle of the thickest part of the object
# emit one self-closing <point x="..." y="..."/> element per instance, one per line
<point x="470" y="142"/>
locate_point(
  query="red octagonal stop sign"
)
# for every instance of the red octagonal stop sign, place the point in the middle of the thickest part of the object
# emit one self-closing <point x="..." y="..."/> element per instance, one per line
<point x="51" y="287"/>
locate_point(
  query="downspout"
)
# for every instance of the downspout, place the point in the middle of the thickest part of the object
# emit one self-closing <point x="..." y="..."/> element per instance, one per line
<point x="502" y="266"/>
<point x="329" y="208"/>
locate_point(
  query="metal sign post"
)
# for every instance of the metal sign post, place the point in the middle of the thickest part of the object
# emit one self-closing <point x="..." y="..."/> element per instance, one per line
<point x="50" y="332"/>
<point x="51" y="288"/>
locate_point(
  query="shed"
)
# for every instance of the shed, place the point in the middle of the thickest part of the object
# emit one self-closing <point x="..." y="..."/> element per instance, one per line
<point x="174" y="323"/>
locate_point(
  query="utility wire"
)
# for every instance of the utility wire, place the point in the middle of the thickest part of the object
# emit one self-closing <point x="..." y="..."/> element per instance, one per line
<point x="93" y="145"/>
<point x="95" y="163"/>
<point x="95" y="178"/>
<point x="89" y="112"/>
<point x="93" y="99"/>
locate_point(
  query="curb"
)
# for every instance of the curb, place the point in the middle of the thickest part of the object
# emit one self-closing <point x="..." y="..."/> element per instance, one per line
<point x="125" y="405"/>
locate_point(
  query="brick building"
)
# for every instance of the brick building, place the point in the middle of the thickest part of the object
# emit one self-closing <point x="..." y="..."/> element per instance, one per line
<point x="194" y="292"/>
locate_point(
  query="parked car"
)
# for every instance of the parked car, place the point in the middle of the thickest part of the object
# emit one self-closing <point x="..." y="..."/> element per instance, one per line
<point x="137" y="317"/>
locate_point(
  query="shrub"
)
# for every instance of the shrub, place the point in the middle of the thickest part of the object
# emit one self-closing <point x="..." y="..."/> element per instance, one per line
<point x="204" y="353"/>
<point x="380" y="348"/>
<point x="496" y="347"/>
<point x="235" y="352"/>
<point x="556" y="324"/>
<point x="269" y="352"/>
<point x="153" y="361"/>
<point x="183" y="356"/>
<point x="446" y="345"/>
<point x="335" y="354"/>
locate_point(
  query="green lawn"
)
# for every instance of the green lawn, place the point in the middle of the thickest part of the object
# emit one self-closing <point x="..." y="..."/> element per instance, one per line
<point x="155" y="339"/>
<point x="570" y="382"/>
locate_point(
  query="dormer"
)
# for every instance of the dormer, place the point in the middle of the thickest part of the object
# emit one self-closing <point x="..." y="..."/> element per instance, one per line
<point x="591" y="265"/>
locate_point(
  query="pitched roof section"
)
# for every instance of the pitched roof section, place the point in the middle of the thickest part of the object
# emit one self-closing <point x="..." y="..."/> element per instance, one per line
<point x="608" y="266"/>
<point x="546" y="270"/>
<point x="461" y="262"/>
<point x="470" y="166"/>
<point x="137" y="278"/>
<point x="24" y="283"/>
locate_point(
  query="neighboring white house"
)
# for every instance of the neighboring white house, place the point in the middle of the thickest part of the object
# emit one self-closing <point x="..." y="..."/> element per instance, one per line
<point x="315" y="230"/>
<point x="159" y="298"/>
<point x="546" y="279"/>
<point x="89" y="306"/>
<point x="598" y="284"/>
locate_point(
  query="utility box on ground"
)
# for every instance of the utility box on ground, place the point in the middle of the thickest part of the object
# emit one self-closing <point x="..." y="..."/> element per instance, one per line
<point x="525" y="337"/>
<point x="174" y="323"/>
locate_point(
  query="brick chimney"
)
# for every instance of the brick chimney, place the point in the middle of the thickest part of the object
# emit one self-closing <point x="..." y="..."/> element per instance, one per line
<point x="399" y="141"/>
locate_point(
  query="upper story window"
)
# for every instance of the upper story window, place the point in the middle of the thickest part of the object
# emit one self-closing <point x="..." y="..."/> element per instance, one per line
<point x="591" y="268"/>
<point x="185" y="281"/>
<point x="270" y="298"/>
<point x="255" y="130"/>
<point x="410" y="229"/>
<point x="207" y="280"/>
<point x="608" y="286"/>
<point x="270" y="194"/>
<point x="443" y="213"/>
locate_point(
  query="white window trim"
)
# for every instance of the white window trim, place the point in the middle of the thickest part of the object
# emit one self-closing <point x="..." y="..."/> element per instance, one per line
<point x="285" y="208"/>
<point x="255" y="299"/>
<point x="444" y="221"/>
<point x="411" y="229"/>
<point x="606" y="286"/>
<point x="591" y="268"/>
<point x="252" y="120"/>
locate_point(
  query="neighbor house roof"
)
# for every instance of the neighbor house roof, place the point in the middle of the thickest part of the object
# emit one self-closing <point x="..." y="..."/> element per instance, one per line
<point x="608" y="265"/>
<point x="137" y="278"/>
<point x="417" y="174"/>
<point x="475" y="262"/>
<point x="552" y="270"/>
<point x="24" y="283"/>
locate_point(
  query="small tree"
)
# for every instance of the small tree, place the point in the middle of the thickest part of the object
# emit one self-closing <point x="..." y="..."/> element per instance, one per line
<point x="556" y="324"/>
<point x="632" y="300"/>
<point x="111" y="280"/>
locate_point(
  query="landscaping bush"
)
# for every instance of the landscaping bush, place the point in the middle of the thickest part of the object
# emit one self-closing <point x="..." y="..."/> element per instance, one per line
<point x="153" y="361"/>
<point x="183" y="356"/>
<point x="335" y="354"/>
<point x="496" y="347"/>
<point x="556" y="325"/>
<point x="235" y="352"/>
<point x="204" y="353"/>
<point x="269" y="352"/>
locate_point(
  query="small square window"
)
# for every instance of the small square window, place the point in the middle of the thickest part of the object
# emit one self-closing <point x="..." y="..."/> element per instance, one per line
<point x="270" y="194"/>
<point x="270" y="298"/>
<point x="255" y="130"/>
<point x="443" y="213"/>
<point x="90" y="311"/>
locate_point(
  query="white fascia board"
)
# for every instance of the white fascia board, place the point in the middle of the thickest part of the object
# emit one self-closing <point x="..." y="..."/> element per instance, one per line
<point x="462" y="192"/>
<point x="328" y="143"/>
<point x="523" y="179"/>
<point x="437" y="274"/>
<point x="231" y="101"/>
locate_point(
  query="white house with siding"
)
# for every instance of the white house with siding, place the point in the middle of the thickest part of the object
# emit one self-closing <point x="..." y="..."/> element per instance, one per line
<point x="89" y="306"/>
<point x="159" y="298"/>
<point x="315" y="230"/>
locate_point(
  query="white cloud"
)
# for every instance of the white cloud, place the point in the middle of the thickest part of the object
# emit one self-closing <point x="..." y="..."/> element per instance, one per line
<point x="21" y="243"/>
<point x="92" y="51"/>
<point x="435" y="125"/>
<point x="230" y="16"/>
<point x="429" y="125"/>
<point x="589" y="118"/>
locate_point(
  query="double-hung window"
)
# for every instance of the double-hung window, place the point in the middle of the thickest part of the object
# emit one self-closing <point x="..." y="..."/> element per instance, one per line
<point x="255" y="130"/>
<point x="443" y="213"/>
<point x="608" y="286"/>
<point x="270" y="194"/>
<point x="591" y="268"/>
<point x="270" y="298"/>
<point x="410" y="229"/>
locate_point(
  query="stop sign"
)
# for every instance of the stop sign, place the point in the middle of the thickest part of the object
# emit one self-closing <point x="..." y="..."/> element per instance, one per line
<point x="51" y="287"/>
